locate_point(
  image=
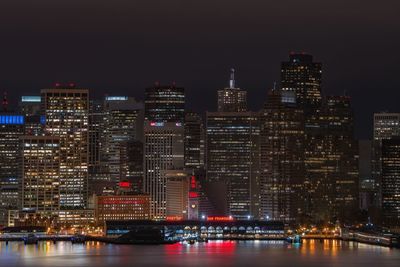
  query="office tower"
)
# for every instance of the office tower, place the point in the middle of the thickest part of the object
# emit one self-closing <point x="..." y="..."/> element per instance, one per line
<point x="368" y="194"/>
<point x="194" y="142"/>
<point x="96" y="129"/>
<point x="11" y="129"/>
<point x="121" y="208"/>
<point x="40" y="174"/>
<point x="123" y="123"/>
<point x="331" y="160"/>
<point x="232" y="99"/>
<point x="177" y="193"/>
<point x="282" y="158"/>
<point x="194" y="199"/>
<point x="303" y="76"/>
<point x="165" y="103"/>
<point x="66" y="110"/>
<point x="386" y="126"/>
<point x="233" y="162"/>
<point x="163" y="150"/>
<point x="132" y="165"/>
<point x="390" y="161"/>
<point x="30" y="107"/>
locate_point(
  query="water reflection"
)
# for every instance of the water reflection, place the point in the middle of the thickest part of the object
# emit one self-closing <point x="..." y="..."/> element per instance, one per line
<point x="216" y="253"/>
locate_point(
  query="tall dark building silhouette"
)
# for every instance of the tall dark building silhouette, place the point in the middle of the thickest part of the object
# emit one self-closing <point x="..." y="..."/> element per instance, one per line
<point x="194" y="142"/>
<point x="165" y="104"/>
<point x="123" y="123"/>
<point x="303" y="76"/>
<point x="232" y="98"/>
<point x="391" y="181"/>
<point x="386" y="126"/>
<point x="282" y="158"/>
<point x="331" y="161"/>
<point x="233" y="155"/>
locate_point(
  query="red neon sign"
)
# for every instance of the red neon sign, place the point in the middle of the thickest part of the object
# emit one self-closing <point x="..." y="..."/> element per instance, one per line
<point x="220" y="219"/>
<point x="173" y="218"/>
<point x="193" y="195"/>
<point x="124" y="184"/>
<point x="193" y="182"/>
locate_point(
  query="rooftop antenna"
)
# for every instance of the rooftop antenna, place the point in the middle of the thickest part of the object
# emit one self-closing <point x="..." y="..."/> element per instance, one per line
<point x="5" y="102"/>
<point x="232" y="79"/>
<point x="274" y="86"/>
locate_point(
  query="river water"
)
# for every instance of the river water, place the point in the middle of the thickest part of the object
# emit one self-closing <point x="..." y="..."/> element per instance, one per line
<point x="214" y="253"/>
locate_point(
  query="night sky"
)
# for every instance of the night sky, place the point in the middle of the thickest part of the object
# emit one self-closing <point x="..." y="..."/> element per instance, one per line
<point x="123" y="46"/>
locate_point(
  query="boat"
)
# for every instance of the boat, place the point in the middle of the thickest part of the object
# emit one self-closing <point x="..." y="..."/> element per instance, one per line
<point x="294" y="239"/>
<point x="78" y="239"/>
<point x="30" y="239"/>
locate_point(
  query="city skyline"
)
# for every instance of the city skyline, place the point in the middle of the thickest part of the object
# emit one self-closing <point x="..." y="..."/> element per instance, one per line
<point x="119" y="47"/>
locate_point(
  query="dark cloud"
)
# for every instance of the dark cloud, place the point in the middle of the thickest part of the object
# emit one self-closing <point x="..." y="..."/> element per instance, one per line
<point x="122" y="46"/>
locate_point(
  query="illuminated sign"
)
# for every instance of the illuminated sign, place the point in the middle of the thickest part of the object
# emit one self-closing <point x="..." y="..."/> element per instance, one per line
<point x="220" y="219"/>
<point x="31" y="99"/>
<point x="124" y="184"/>
<point x="12" y="119"/>
<point x="156" y="124"/>
<point x="193" y="195"/>
<point x="116" y="98"/>
<point x="193" y="182"/>
<point x="173" y="218"/>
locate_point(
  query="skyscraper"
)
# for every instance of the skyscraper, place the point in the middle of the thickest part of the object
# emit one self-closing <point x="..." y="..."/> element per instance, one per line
<point x="282" y="158"/>
<point x="123" y="123"/>
<point x="163" y="151"/>
<point x="391" y="181"/>
<point x="331" y="160"/>
<point x="165" y="103"/>
<point x="96" y="134"/>
<point x="194" y="142"/>
<point x="66" y="113"/>
<point x="233" y="161"/>
<point x="386" y="126"/>
<point x="11" y="129"/>
<point x="232" y="98"/>
<point x="177" y="193"/>
<point x="303" y="76"/>
<point x="40" y="173"/>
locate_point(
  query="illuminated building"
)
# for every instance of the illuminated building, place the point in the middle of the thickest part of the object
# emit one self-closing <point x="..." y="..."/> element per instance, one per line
<point x="163" y="150"/>
<point x="303" y="76"/>
<point x="11" y="129"/>
<point x="233" y="162"/>
<point x="232" y="99"/>
<point x="30" y="107"/>
<point x="177" y="193"/>
<point x="282" y="158"/>
<point x="331" y="161"/>
<point x="391" y="181"/>
<point x="40" y="173"/>
<point x="386" y="126"/>
<point x="66" y="112"/>
<point x="194" y="142"/>
<point x="122" y="207"/>
<point x="123" y="123"/>
<point x="165" y="104"/>
<point x="194" y="199"/>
